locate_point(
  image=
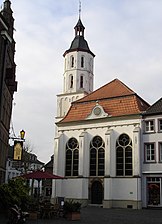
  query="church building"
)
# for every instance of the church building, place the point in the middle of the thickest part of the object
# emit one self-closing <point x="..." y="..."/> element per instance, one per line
<point x="99" y="135"/>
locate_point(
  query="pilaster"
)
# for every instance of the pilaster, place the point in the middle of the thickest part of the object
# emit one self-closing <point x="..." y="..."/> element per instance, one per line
<point x="136" y="152"/>
<point x="108" y="135"/>
<point x="83" y="155"/>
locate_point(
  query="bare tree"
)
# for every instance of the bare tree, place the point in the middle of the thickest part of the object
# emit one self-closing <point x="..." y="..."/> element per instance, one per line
<point x="27" y="156"/>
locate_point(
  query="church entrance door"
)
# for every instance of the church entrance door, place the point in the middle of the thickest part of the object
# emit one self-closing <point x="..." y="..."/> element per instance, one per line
<point x="96" y="193"/>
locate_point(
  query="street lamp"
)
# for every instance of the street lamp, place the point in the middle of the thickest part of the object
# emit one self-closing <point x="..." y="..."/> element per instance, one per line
<point x="22" y="134"/>
<point x="20" y="137"/>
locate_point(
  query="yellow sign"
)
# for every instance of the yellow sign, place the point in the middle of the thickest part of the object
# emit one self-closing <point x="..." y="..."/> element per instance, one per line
<point x="17" y="150"/>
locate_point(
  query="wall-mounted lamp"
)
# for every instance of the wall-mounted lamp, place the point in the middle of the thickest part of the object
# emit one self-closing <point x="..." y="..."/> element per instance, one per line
<point x="22" y="134"/>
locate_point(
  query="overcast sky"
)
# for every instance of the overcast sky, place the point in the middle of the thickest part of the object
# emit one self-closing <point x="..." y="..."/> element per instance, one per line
<point x="125" y="36"/>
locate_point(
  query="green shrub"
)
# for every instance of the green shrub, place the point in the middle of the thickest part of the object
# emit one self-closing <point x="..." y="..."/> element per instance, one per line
<point x="15" y="192"/>
<point x="72" y="206"/>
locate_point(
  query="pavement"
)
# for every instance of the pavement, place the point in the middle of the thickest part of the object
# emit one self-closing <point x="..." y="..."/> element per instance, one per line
<point x="97" y="215"/>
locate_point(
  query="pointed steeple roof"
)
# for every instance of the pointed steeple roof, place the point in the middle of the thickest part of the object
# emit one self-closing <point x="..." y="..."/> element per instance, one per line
<point x="115" y="98"/>
<point x="79" y="28"/>
<point x="79" y="43"/>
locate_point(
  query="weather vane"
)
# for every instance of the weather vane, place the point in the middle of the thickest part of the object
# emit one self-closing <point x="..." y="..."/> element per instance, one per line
<point x="79" y="8"/>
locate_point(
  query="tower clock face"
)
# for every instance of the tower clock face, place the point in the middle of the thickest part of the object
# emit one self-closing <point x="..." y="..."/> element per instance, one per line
<point x="97" y="111"/>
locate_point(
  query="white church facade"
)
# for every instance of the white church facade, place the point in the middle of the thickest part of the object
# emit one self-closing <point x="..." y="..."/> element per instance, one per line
<point x="101" y="146"/>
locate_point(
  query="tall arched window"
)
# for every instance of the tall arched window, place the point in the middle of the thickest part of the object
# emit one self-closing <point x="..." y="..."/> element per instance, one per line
<point x="97" y="157"/>
<point x="82" y="62"/>
<point x="81" y="81"/>
<point x="72" y="61"/>
<point x="71" y="81"/>
<point x="72" y="157"/>
<point x="124" y="156"/>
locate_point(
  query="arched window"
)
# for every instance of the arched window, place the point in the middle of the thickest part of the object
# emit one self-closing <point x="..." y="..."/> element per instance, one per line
<point x="82" y="62"/>
<point x="81" y="81"/>
<point x="72" y="157"/>
<point x="124" y="156"/>
<point x="97" y="157"/>
<point x="72" y="61"/>
<point x="71" y="81"/>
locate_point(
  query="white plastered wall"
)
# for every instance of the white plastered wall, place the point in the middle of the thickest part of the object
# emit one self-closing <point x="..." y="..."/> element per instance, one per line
<point x="109" y="131"/>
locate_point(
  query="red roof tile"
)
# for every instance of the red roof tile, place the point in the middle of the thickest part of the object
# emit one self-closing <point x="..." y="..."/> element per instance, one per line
<point x="115" y="98"/>
<point x="112" y="89"/>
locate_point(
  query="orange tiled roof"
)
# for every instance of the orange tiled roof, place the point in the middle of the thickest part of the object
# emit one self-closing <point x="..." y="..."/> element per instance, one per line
<point x="115" y="98"/>
<point x="112" y="89"/>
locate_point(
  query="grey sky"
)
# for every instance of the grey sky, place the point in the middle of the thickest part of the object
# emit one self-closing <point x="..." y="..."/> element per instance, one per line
<point x="125" y="36"/>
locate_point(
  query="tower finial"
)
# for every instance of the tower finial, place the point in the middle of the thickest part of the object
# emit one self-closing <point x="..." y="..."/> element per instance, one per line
<point x="79" y="8"/>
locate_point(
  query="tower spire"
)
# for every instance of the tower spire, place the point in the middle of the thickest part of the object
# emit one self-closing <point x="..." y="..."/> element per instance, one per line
<point x="79" y="9"/>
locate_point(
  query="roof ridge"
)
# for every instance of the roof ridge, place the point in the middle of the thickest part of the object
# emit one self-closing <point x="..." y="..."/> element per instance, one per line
<point x="120" y="83"/>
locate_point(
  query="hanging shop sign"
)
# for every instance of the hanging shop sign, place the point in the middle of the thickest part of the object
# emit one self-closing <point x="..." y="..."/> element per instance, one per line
<point x="18" y="149"/>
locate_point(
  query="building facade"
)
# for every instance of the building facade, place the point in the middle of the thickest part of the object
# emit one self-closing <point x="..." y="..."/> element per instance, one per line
<point x="108" y="141"/>
<point x="152" y="156"/>
<point x="8" y="85"/>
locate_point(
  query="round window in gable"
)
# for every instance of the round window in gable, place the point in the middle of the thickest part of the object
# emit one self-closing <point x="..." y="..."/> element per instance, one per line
<point x="97" y="111"/>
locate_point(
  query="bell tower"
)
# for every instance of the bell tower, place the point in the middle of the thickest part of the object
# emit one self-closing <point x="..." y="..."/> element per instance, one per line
<point x="78" y="71"/>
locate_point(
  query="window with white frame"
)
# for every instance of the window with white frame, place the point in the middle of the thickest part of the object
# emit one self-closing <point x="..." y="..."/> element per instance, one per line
<point x="160" y="151"/>
<point x="124" y="158"/>
<point x="149" y="126"/>
<point x="149" y="152"/>
<point x="160" y="125"/>
<point x="72" y="157"/>
<point x="97" y="156"/>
